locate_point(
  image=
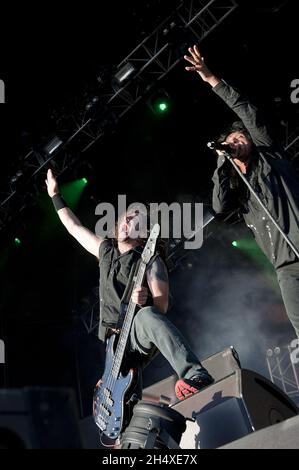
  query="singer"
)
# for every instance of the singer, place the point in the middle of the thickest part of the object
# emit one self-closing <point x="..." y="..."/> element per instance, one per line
<point x="266" y="168"/>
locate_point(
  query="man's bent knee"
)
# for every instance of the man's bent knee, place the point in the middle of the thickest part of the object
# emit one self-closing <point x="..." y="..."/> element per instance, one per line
<point x="148" y="312"/>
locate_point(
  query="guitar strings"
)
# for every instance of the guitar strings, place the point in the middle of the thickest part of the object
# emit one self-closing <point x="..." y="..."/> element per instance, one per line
<point x="111" y="380"/>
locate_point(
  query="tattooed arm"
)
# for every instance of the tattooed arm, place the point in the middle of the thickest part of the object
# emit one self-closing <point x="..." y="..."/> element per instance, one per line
<point x="157" y="279"/>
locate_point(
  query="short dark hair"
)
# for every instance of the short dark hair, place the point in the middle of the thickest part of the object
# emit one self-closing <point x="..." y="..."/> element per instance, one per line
<point x="237" y="126"/>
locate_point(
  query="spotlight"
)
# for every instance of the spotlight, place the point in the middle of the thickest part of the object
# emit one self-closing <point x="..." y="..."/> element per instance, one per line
<point x="235" y="244"/>
<point x="17" y="242"/>
<point x="16" y="177"/>
<point x="169" y="28"/>
<point x="92" y="103"/>
<point x="160" y="103"/>
<point x="124" y="73"/>
<point x="52" y="145"/>
<point x="162" y="106"/>
<point x="154" y="426"/>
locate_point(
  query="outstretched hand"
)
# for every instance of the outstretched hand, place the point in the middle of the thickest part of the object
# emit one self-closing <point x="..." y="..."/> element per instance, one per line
<point x="52" y="185"/>
<point x="199" y="66"/>
<point x="196" y="60"/>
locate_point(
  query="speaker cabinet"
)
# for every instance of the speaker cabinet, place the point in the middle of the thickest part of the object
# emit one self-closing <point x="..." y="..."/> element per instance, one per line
<point x="220" y="365"/>
<point x="284" y="435"/>
<point x="38" y="418"/>
<point x="232" y="408"/>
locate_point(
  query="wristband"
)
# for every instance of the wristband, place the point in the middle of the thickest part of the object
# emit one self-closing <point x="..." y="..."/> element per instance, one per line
<point x="59" y="202"/>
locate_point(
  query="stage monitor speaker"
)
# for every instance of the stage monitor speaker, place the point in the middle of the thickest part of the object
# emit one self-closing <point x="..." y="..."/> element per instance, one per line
<point x="38" y="418"/>
<point x="284" y="435"/>
<point x="232" y="408"/>
<point x="220" y="365"/>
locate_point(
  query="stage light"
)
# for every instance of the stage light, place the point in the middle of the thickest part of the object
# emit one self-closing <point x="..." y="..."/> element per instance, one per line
<point x="154" y="426"/>
<point x="52" y="145"/>
<point x="72" y="191"/>
<point x="160" y="103"/>
<point x="92" y="103"/>
<point x="17" y="241"/>
<point x="16" y="177"/>
<point x="163" y="106"/>
<point x="235" y="244"/>
<point x="124" y="73"/>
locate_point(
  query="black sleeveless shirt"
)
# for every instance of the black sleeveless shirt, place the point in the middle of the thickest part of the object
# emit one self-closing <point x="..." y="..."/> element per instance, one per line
<point x="115" y="270"/>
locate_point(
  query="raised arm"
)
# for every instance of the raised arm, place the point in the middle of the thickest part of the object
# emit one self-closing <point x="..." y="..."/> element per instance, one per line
<point x="83" y="235"/>
<point x="246" y="111"/>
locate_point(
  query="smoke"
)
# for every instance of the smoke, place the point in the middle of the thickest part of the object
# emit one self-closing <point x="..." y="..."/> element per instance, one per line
<point x="232" y="301"/>
<point x="222" y="298"/>
<point x="230" y="313"/>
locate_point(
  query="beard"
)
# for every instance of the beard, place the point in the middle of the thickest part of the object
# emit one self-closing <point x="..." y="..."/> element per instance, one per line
<point x="127" y="239"/>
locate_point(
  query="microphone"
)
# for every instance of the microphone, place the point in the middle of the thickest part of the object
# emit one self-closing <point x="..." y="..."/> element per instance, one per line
<point x="223" y="148"/>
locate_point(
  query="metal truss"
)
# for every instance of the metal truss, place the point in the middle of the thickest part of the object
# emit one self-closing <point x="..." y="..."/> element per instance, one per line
<point x="88" y="312"/>
<point x="292" y="144"/>
<point x="152" y="60"/>
<point x="283" y="372"/>
<point x="163" y="49"/>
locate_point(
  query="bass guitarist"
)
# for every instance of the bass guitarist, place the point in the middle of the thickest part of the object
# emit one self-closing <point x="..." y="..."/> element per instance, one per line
<point x="151" y="329"/>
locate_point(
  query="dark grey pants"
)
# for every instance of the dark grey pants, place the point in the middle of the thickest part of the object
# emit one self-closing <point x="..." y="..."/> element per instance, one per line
<point x="288" y="278"/>
<point x="152" y="329"/>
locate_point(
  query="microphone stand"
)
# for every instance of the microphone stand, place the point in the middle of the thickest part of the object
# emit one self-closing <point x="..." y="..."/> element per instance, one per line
<point x="289" y="242"/>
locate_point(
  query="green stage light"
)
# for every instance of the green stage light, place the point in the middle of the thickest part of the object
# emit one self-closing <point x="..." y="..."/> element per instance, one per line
<point x="73" y="191"/>
<point x="162" y="107"/>
<point x="160" y="103"/>
<point x="17" y="241"/>
<point x="235" y="244"/>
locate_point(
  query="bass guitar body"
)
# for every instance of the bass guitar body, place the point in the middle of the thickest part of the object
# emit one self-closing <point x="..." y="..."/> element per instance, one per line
<point x="110" y="396"/>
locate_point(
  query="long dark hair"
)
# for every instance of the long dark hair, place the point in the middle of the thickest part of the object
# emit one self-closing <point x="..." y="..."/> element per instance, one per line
<point x="235" y="182"/>
<point x="236" y="126"/>
<point x="162" y="244"/>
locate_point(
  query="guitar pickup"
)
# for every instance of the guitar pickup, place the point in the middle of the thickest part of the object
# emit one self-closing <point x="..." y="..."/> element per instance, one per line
<point x="107" y="395"/>
<point x="101" y="423"/>
<point x="104" y="409"/>
<point x="110" y="401"/>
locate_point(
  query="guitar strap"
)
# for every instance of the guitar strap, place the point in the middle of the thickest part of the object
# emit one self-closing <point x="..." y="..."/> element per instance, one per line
<point x="127" y="294"/>
<point x="128" y="290"/>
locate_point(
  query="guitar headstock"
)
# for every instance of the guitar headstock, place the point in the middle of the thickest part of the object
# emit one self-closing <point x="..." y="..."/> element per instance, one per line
<point x="149" y="249"/>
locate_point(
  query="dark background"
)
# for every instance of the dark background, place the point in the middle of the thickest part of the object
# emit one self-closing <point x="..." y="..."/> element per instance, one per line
<point x="220" y="296"/>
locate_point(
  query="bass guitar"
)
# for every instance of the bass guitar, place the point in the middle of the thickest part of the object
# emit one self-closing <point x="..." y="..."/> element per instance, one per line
<point x="110" y="392"/>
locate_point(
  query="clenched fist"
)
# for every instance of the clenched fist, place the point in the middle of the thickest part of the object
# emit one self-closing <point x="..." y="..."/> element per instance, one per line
<point x="140" y="296"/>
